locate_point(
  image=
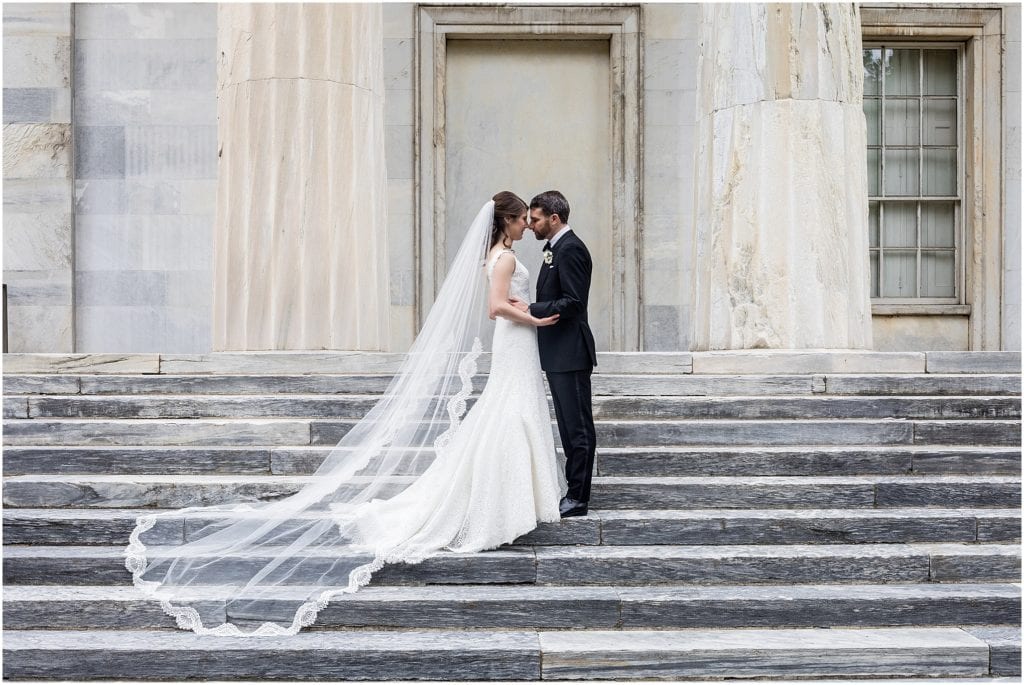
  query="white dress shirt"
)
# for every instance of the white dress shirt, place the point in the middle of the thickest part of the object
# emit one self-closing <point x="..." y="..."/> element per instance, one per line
<point x="558" y="235"/>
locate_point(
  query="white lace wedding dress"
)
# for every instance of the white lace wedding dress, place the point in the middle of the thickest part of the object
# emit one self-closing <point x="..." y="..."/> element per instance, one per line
<point x="499" y="474"/>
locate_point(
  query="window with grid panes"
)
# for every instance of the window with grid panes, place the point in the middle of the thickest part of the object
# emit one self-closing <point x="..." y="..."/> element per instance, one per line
<point x="912" y="108"/>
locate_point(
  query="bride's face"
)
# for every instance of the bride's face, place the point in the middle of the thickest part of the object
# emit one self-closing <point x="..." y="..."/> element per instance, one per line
<point x="516" y="227"/>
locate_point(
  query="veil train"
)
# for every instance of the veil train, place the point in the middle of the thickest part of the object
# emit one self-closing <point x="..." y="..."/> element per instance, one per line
<point x="223" y="568"/>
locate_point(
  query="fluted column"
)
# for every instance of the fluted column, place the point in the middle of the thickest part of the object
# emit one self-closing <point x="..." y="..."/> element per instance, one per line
<point x="300" y="254"/>
<point x="781" y="234"/>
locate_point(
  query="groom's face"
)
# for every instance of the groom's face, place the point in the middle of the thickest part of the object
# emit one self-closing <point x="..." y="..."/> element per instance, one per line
<point x="540" y="224"/>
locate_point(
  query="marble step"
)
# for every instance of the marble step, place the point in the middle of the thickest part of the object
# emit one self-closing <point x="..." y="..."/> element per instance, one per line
<point x="1004" y="647"/>
<point x="602" y="384"/>
<point x="605" y="408"/>
<point x="609" y="461"/>
<point x="933" y="652"/>
<point x="599" y="565"/>
<point x="102" y="491"/>
<point x="44" y="607"/>
<point x="606" y="527"/>
<point x="718" y="362"/>
<point x="706" y="432"/>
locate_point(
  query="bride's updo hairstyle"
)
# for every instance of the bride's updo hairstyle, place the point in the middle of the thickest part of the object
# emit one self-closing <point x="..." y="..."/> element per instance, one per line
<point x="507" y="206"/>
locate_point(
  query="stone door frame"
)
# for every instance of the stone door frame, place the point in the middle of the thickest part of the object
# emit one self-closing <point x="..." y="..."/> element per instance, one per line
<point x="435" y="25"/>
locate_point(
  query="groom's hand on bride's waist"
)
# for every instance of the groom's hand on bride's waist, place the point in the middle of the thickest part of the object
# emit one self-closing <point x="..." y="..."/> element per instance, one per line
<point x="519" y="304"/>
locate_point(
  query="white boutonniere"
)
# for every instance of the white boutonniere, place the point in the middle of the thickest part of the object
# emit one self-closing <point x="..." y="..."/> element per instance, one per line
<point x="548" y="256"/>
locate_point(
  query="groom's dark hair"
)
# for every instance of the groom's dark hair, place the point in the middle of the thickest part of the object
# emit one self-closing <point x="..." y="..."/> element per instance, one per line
<point x="552" y="202"/>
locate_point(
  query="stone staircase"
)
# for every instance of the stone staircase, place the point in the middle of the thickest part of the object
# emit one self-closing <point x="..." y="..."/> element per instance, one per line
<point x="755" y="515"/>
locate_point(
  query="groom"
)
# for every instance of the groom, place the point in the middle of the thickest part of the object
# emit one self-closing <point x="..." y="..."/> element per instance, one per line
<point x="567" y="352"/>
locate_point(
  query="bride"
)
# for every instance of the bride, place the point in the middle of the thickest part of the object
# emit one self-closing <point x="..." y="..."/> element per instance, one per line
<point x="416" y="476"/>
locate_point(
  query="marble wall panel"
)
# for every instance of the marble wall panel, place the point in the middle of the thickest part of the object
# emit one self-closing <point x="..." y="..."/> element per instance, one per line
<point x="37" y="160"/>
<point x="1011" y="315"/>
<point x="145" y="188"/>
<point x="669" y="93"/>
<point x="399" y="144"/>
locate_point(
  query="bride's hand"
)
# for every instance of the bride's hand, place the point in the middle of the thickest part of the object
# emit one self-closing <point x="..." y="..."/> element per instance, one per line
<point x="549" y="321"/>
<point x="519" y="304"/>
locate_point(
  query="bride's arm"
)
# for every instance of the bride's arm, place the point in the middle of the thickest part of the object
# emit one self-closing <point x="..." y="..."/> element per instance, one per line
<point x="498" y="304"/>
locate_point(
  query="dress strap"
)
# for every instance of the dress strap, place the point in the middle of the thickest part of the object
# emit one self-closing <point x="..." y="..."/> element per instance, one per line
<point x="494" y="259"/>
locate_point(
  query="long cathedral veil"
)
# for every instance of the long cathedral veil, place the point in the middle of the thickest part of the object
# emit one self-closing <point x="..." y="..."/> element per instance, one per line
<point x="267" y="569"/>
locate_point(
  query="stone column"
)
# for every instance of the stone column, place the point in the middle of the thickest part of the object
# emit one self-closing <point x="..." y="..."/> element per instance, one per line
<point x="780" y="206"/>
<point x="38" y="177"/>
<point x="300" y="254"/>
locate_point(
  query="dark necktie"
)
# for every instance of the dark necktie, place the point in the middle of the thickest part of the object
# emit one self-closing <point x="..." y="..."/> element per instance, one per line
<point x="547" y="246"/>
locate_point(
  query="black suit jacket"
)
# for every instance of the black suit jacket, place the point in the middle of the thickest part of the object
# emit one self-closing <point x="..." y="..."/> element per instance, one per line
<point x="563" y="288"/>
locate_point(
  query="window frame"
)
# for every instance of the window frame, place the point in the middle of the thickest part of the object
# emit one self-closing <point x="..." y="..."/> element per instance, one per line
<point x="981" y="28"/>
<point x="959" y="276"/>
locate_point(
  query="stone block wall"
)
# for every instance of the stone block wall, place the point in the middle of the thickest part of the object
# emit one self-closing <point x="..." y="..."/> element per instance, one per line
<point x="110" y="249"/>
<point x="670" y="82"/>
<point x="145" y="123"/>
<point x="399" y="127"/>
<point x="1012" y="178"/>
<point x="38" y="216"/>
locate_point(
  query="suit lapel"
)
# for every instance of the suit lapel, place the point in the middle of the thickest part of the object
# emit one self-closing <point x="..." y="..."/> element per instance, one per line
<point x="542" y="277"/>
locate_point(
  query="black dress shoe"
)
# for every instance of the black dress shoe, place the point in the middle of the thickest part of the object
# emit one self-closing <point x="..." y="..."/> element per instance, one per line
<point x="570" y="507"/>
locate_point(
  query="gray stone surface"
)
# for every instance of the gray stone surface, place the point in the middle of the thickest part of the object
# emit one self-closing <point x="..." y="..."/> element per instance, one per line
<point x="828" y="526"/>
<point x="283" y="363"/>
<point x="930" y="384"/>
<point x="818" y="605"/>
<point x="605" y="408"/>
<point x="696" y="526"/>
<point x="820" y="407"/>
<point x="763" y="653"/>
<point x="84" y="527"/>
<point x="15" y="408"/>
<point x="1004" y="648"/>
<point x="167" y="491"/>
<point x="732" y="432"/>
<point x="597" y="565"/>
<point x="136" y="460"/>
<point x="192" y="406"/>
<point x="729" y="491"/>
<point x="27" y="105"/>
<point x="967" y="432"/>
<point x="122" y="608"/>
<point x="81" y="363"/>
<point x="42" y="385"/>
<point x="603" y="384"/>
<point x="952" y="563"/>
<point x="102" y="526"/>
<point x="95" y="565"/>
<point x="808" y="361"/>
<point x="688" y="384"/>
<point x="244" y="385"/>
<point x="308" y="656"/>
<point x="725" y="564"/>
<point x="999" y="527"/>
<point x="968" y="460"/>
<point x="724" y="432"/>
<point x="745" y="461"/>
<point x="983" y="491"/>
<point x="147" y="432"/>
<point x="44" y="607"/>
<point x="974" y="362"/>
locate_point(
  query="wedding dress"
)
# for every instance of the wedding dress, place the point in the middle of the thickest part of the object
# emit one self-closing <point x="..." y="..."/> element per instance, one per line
<point x="499" y="475"/>
<point x="416" y="476"/>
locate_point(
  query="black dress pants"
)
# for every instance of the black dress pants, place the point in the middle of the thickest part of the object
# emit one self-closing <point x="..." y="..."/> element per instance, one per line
<point x="570" y="392"/>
